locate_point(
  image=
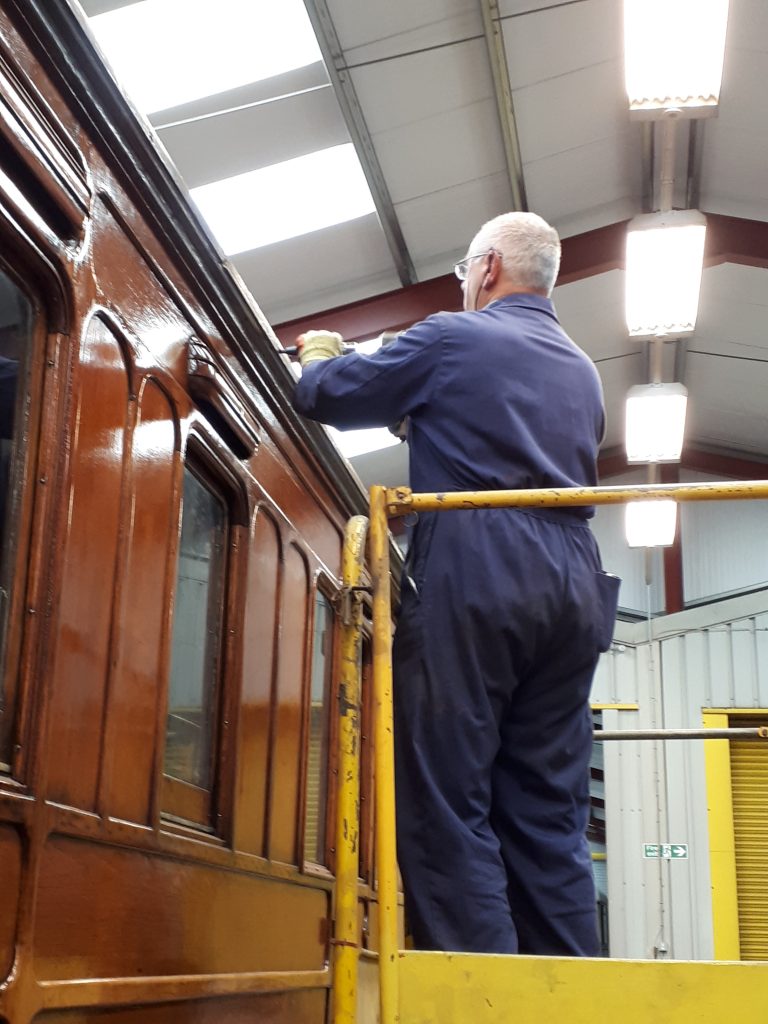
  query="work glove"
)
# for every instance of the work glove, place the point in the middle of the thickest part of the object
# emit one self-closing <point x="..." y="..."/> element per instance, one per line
<point x="315" y="345"/>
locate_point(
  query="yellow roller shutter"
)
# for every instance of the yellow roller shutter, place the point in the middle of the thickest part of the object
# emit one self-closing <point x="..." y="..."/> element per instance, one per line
<point x="749" y="779"/>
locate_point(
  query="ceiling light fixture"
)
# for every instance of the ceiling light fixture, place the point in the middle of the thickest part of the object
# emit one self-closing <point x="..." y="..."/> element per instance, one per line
<point x="650" y="524"/>
<point x="655" y="422"/>
<point x="665" y="257"/>
<point x="673" y="53"/>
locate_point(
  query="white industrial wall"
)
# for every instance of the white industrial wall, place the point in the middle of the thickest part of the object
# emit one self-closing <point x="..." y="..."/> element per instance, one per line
<point x="626" y="562"/>
<point x="723" y="548"/>
<point x="714" y="656"/>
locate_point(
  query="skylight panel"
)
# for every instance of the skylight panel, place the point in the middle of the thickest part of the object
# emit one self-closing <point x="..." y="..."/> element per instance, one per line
<point x="168" y="52"/>
<point x="360" y="442"/>
<point x="285" y="200"/>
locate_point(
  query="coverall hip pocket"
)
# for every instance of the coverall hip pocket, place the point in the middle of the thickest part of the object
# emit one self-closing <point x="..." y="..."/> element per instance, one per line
<point x="608" y="601"/>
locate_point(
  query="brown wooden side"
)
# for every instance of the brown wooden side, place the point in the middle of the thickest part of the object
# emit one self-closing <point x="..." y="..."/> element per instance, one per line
<point x="112" y="906"/>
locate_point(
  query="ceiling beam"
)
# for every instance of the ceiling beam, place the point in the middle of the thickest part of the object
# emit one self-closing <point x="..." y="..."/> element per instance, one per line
<point x="583" y="256"/>
<point x="736" y="240"/>
<point x="341" y="80"/>
<point x="729" y="240"/>
<point x="497" y="58"/>
<point x="725" y="465"/>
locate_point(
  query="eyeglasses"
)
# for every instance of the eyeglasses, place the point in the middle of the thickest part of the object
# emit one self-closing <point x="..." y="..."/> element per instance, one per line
<point x="461" y="269"/>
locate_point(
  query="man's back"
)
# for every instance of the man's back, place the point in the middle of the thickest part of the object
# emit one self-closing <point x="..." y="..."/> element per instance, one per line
<point x="515" y="403"/>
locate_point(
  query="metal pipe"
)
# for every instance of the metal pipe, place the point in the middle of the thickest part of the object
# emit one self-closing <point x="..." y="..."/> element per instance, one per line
<point x="401" y="500"/>
<point x="758" y="733"/>
<point x="346" y="932"/>
<point x="656" y="360"/>
<point x="695" y="149"/>
<point x="647" y="158"/>
<point x="667" y="171"/>
<point x="386" y="856"/>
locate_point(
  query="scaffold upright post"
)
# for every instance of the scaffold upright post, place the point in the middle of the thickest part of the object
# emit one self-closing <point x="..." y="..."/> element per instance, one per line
<point x="346" y="934"/>
<point x="386" y="857"/>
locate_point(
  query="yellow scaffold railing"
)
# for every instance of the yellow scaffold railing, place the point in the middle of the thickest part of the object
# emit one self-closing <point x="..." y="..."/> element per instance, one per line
<point x="487" y="990"/>
<point x="346" y="923"/>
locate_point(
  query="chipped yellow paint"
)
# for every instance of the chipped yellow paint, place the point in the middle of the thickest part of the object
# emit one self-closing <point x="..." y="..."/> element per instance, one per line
<point x="386" y="863"/>
<point x="346" y="933"/>
<point x="466" y="988"/>
<point x="401" y="500"/>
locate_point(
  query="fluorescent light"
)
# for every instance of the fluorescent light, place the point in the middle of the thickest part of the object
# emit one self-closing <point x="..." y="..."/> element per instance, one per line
<point x="360" y="442"/>
<point x="673" y="54"/>
<point x="665" y="256"/>
<point x="168" y="52"/>
<point x="285" y="200"/>
<point x="650" y="524"/>
<point x="655" y="422"/>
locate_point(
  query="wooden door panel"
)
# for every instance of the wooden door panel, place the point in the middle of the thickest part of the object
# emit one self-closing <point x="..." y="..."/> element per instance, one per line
<point x="288" y="713"/>
<point x="10" y="881"/>
<point x="83" y="649"/>
<point x="260" y="632"/>
<point x="302" y="1007"/>
<point x="131" y="726"/>
<point x="106" y="912"/>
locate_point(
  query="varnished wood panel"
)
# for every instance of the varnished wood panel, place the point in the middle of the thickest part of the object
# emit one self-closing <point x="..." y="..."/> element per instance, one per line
<point x="131" y="726"/>
<point x="268" y="1008"/>
<point x="286" y="750"/>
<point x="83" y="652"/>
<point x="128" y="285"/>
<point x="127" y="900"/>
<point x="258" y="672"/>
<point x="105" y="912"/>
<point x="10" y="880"/>
<point x="318" y="531"/>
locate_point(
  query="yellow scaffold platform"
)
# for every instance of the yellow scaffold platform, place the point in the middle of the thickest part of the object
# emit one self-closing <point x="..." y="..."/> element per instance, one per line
<point x="462" y="988"/>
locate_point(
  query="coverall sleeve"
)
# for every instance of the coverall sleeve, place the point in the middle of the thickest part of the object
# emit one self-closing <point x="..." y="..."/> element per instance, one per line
<point x="369" y="391"/>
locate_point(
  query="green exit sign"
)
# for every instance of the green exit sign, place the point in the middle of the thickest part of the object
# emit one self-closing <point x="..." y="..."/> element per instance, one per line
<point x="665" y="851"/>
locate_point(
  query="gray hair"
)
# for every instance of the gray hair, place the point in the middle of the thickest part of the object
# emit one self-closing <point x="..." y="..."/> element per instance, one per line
<point x="529" y="248"/>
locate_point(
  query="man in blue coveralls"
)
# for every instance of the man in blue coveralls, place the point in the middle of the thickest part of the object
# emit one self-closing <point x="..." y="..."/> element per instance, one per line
<point x="504" y="612"/>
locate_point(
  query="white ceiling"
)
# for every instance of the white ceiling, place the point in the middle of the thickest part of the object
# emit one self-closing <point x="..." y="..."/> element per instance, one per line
<point x="421" y="73"/>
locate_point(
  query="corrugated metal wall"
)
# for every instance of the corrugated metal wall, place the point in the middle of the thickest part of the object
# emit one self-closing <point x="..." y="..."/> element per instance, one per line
<point x="711" y="657"/>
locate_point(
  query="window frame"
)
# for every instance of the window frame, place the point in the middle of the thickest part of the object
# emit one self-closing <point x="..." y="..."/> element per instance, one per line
<point x="23" y="498"/>
<point x="183" y="806"/>
<point x="326" y="586"/>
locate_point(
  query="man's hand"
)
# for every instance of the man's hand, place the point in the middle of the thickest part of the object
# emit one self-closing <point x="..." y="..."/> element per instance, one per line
<point x="315" y="345"/>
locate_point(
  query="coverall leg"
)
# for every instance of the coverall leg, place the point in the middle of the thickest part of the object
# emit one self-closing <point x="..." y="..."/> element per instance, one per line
<point x="494" y="655"/>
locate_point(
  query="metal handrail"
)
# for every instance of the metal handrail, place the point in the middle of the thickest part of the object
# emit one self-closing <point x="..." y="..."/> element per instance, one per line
<point x="758" y="733"/>
<point x="399" y="501"/>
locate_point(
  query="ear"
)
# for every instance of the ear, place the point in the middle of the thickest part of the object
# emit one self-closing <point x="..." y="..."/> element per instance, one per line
<point x="493" y="269"/>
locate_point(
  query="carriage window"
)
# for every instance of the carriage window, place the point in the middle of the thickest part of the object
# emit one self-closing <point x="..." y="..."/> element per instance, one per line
<point x="197" y="646"/>
<point x="319" y="720"/>
<point x="15" y="341"/>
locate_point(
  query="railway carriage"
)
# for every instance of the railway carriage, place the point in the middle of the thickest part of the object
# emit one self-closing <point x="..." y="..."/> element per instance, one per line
<point x="172" y="535"/>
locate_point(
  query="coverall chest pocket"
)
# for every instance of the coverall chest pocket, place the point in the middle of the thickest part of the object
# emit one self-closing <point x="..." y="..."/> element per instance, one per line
<point x="607" y="603"/>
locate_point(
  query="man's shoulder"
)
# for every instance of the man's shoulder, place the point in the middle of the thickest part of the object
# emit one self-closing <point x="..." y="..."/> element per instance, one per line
<point x="448" y="322"/>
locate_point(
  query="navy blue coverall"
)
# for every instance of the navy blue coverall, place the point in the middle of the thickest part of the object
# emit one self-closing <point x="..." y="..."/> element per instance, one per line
<point x="503" y="615"/>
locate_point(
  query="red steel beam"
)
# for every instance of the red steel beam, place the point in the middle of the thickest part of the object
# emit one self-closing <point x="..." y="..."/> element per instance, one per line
<point x="729" y="240"/>
<point x="583" y="256"/>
